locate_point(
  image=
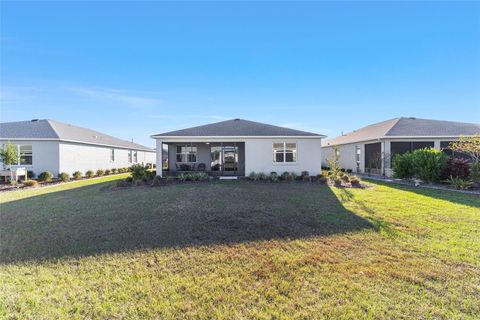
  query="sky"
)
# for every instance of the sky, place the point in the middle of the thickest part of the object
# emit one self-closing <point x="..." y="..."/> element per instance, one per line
<point x="132" y="69"/>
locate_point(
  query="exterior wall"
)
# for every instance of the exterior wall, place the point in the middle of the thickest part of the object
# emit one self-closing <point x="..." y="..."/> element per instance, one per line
<point x="348" y="158"/>
<point x="44" y="155"/>
<point x="83" y="157"/>
<point x="259" y="156"/>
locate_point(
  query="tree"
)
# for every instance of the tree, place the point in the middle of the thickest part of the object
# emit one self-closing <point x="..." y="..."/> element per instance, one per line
<point x="9" y="154"/>
<point x="468" y="145"/>
<point x="334" y="163"/>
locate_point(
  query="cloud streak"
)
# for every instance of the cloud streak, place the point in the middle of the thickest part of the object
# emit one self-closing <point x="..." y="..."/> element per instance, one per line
<point x="118" y="96"/>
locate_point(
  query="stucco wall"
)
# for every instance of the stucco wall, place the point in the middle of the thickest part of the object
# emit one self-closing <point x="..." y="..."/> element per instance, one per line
<point x="259" y="156"/>
<point x="81" y="157"/>
<point x="44" y="155"/>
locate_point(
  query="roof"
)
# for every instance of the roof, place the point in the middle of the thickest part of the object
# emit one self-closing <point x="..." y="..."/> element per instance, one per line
<point x="406" y="127"/>
<point x="238" y="128"/>
<point x="54" y="130"/>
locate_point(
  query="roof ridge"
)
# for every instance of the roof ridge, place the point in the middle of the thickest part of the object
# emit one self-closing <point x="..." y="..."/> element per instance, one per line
<point x="393" y="125"/>
<point x="51" y="127"/>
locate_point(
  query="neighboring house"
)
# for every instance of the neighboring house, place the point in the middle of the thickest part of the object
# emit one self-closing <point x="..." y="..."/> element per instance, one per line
<point x="238" y="147"/>
<point x="48" y="145"/>
<point x="373" y="147"/>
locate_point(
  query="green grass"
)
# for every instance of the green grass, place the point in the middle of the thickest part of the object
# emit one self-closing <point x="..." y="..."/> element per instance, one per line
<point x="238" y="249"/>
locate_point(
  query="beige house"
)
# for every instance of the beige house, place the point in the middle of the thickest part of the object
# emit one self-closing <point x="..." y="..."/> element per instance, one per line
<point x="371" y="149"/>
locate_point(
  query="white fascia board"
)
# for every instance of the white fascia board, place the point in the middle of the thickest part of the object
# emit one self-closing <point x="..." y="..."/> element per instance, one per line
<point x="164" y="138"/>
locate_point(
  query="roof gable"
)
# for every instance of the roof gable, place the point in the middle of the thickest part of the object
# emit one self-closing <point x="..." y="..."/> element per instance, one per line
<point x="236" y="128"/>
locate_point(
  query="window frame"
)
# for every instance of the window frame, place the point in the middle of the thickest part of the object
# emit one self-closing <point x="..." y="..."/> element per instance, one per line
<point x="20" y="154"/>
<point x="135" y="156"/>
<point x="130" y="156"/>
<point x="112" y="154"/>
<point x="284" y="153"/>
<point x="186" y="153"/>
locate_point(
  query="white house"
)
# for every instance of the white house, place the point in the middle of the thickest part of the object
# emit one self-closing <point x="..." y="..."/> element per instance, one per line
<point x="237" y="147"/>
<point x="48" y="145"/>
<point x="373" y="147"/>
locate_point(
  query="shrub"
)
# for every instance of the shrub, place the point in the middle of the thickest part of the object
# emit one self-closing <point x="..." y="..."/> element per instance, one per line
<point x="100" y="172"/>
<point x="475" y="172"/>
<point x="337" y="182"/>
<point x="139" y="172"/>
<point x="89" y="174"/>
<point x="45" y="176"/>
<point x="306" y="178"/>
<point x="402" y="166"/>
<point x="345" y="178"/>
<point x="30" y="174"/>
<point x="323" y="180"/>
<point x="274" y="177"/>
<point x="14" y="183"/>
<point x="460" y="184"/>
<point x="458" y="168"/>
<point x="305" y="173"/>
<point x="139" y="183"/>
<point x="77" y="175"/>
<point x="349" y="171"/>
<point x="63" y="176"/>
<point x="114" y="170"/>
<point x="429" y="164"/>
<point x="262" y="176"/>
<point x="284" y="175"/>
<point x="107" y="172"/>
<point x="252" y="176"/>
<point x="30" y="183"/>
<point x="185" y="177"/>
<point x="355" y="182"/>
<point x="150" y="175"/>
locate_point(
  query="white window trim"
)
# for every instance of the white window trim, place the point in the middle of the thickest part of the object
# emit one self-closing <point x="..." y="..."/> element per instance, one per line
<point x="18" y="153"/>
<point x="130" y="156"/>
<point x="186" y="153"/>
<point x="284" y="162"/>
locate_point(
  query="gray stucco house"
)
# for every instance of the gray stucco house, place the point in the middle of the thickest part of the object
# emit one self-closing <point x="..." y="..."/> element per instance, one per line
<point x="237" y="147"/>
<point x="371" y="148"/>
<point x="48" y="145"/>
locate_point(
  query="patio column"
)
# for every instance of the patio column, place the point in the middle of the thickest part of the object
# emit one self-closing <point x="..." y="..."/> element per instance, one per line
<point x="159" y="164"/>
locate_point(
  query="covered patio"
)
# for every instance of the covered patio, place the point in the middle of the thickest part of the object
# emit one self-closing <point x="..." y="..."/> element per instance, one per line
<point x="215" y="158"/>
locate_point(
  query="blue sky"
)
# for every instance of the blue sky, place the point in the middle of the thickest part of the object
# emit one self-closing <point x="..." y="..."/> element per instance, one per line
<point x="134" y="69"/>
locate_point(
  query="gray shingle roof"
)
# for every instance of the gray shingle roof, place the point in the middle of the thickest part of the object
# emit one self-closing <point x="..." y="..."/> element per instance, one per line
<point x="50" y="129"/>
<point x="237" y="128"/>
<point x="407" y="127"/>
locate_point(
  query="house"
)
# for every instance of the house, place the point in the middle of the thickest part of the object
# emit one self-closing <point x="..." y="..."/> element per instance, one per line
<point x="237" y="147"/>
<point x="371" y="149"/>
<point x="48" y="145"/>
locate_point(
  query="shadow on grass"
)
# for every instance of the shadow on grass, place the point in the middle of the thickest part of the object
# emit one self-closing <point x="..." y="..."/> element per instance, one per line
<point x="97" y="219"/>
<point x="466" y="199"/>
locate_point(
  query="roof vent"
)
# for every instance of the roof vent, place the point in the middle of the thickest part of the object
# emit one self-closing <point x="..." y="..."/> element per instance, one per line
<point x="237" y="119"/>
<point x="413" y="118"/>
<point x="34" y="120"/>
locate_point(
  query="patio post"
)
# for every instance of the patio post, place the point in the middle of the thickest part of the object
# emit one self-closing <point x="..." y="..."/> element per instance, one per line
<point x="159" y="165"/>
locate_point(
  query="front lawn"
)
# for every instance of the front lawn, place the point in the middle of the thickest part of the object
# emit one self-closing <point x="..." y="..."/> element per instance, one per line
<point x="238" y="249"/>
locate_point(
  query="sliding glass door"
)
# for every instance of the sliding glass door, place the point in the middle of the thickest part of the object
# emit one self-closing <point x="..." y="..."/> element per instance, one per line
<point x="224" y="158"/>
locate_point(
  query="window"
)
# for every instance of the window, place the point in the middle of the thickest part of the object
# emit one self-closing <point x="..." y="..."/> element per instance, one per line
<point x="112" y="155"/>
<point x="135" y="156"/>
<point x="284" y="152"/>
<point x="130" y="156"/>
<point x="25" y="155"/>
<point x="186" y="153"/>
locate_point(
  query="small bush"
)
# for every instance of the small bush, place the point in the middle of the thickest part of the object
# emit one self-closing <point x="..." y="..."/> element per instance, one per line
<point x="129" y="179"/>
<point x="114" y="170"/>
<point x="30" y="183"/>
<point x="63" y="176"/>
<point x="262" y="176"/>
<point x="322" y="180"/>
<point x="157" y="181"/>
<point x="341" y="174"/>
<point x="14" y="183"/>
<point x="475" y="172"/>
<point x="252" y="176"/>
<point x="458" y="168"/>
<point x="306" y="178"/>
<point x="77" y="175"/>
<point x="285" y="175"/>
<point x="30" y="174"/>
<point x="429" y="164"/>
<point x="100" y="172"/>
<point x="349" y="171"/>
<point x="139" y="172"/>
<point x="108" y="172"/>
<point x="89" y="174"/>
<point x="292" y="176"/>
<point x="337" y="182"/>
<point x="345" y="178"/>
<point x="460" y="184"/>
<point x="139" y="183"/>
<point x="274" y="177"/>
<point x="355" y="182"/>
<point x="305" y="173"/>
<point x="45" y="176"/>
<point x="402" y="166"/>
